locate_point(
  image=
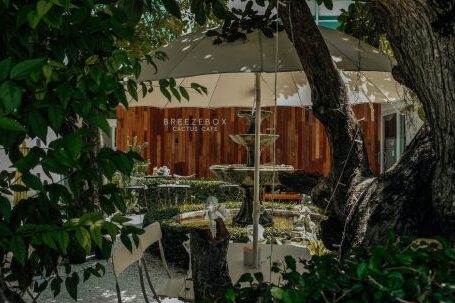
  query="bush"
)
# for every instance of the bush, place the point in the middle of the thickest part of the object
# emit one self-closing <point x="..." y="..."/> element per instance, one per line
<point x="174" y="234"/>
<point x="401" y="270"/>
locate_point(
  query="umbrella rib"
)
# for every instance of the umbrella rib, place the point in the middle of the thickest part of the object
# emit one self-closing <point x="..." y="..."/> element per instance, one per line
<point x="298" y="90"/>
<point x="184" y="58"/>
<point x="214" y="89"/>
<point x="372" y="83"/>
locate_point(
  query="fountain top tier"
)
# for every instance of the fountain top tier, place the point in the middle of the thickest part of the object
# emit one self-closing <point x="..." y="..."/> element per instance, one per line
<point x="251" y="116"/>
<point x="248" y="139"/>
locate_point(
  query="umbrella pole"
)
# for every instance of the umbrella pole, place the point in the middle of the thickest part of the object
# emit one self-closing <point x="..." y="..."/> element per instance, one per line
<point x="257" y="163"/>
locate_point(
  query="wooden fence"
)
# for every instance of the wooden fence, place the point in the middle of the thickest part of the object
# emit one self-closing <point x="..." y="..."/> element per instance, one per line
<point x="201" y="137"/>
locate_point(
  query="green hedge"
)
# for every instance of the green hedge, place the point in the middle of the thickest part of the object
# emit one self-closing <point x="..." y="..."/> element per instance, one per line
<point x="199" y="191"/>
<point x="174" y="234"/>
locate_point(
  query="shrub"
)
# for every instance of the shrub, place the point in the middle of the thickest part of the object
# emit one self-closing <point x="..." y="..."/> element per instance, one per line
<point x="200" y="190"/>
<point x="400" y="270"/>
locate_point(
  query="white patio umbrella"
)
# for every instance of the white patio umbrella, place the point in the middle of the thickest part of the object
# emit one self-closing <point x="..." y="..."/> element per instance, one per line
<point x="242" y="74"/>
<point x="228" y="71"/>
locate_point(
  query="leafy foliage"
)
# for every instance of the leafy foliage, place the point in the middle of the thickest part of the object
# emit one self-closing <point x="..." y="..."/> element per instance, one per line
<point x="401" y="270"/>
<point x="62" y="66"/>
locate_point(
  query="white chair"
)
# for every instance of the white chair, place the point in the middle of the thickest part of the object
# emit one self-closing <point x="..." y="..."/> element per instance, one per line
<point x="173" y="287"/>
<point x="122" y="258"/>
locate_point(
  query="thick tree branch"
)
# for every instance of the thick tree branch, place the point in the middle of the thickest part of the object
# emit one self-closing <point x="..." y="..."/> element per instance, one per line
<point x="426" y="56"/>
<point x="330" y="105"/>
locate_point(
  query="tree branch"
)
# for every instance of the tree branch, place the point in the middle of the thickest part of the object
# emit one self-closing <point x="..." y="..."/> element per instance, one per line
<point x="330" y="106"/>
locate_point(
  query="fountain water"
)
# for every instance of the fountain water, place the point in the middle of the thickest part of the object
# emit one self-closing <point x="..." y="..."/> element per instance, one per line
<point x="243" y="175"/>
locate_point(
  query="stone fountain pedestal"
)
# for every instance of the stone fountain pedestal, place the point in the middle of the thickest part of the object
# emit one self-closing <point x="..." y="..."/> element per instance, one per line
<point x="243" y="175"/>
<point x="245" y="215"/>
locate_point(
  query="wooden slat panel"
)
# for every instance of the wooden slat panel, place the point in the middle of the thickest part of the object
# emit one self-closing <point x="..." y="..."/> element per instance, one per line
<point x="302" y="141"/>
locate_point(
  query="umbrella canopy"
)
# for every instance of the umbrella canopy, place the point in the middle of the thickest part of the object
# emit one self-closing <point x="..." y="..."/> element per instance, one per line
<point x="227" y="71"/>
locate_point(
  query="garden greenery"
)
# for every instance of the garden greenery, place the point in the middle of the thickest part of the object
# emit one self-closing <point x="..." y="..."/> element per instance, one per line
<point x="62" y="70"/>
<point x="175" y="233"/>
<point x="401" y="270"/>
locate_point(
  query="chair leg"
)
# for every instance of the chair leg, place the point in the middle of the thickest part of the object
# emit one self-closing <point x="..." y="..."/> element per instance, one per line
<point x="117" y="289"/>
<point x="149" y="281"/>
<point x="163" y="259"/>
<point x="141" y="280"/>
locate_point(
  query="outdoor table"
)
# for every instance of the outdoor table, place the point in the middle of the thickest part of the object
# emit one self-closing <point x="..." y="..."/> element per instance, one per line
<point x="270" y="253"/>
<point x="174" y="186"/>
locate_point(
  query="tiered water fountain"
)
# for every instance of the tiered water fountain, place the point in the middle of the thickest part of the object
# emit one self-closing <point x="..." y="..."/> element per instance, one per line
<point x="243" y="174"/>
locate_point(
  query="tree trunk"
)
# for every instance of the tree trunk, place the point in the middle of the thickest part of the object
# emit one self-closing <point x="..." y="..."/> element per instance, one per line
<point x="331" y="107"/>
<point x="209" y="263"/>
<point x="417" y="196"/>
<point x="426" y="62"/>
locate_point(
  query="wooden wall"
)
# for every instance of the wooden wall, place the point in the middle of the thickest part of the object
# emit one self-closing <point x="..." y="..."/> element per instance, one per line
<point x="302" y="141"/>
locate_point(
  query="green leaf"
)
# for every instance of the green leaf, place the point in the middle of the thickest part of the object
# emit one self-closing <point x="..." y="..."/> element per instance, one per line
<point x="48" y="240"/>
<point x="56" y="117"/>
<point x="132" y="89"/>
<point x="83" y="238"/>
<point x="97" y="236"/>
<point x="184" y="93"/>
<point x="62" y="240"/>
<point x="218" y="9"/>
<point x="42" y="7"/>
<point x="246" y="277"/>
<point x="24" y="68"/>
<point x="71" y="283"/>
<point x="10" y="96"/>
<point x="11" y="125"/>
<point x="173" y="8"/>
<point x="328" y="4"/>
<point x="29" y="161"/>
<point x="19" y="250"/>
<point x="32" y="181"/>
<point x="101" y="123"/>
<point x="166" y="92"/>
<point x="5" y="67"/>
<point x="5" y="208"/>
<point x="56" y="284"/>
<point x="126" y="241"/>
<point x="362" y="270"/>
<point x="37" y="124"/>
<point x="133" y="10"/>
<point x="33" y="18"/>
<point x="290" y="263"/>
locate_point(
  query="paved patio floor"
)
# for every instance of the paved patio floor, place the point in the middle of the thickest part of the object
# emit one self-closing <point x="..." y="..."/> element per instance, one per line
<point x="102" y="289"/>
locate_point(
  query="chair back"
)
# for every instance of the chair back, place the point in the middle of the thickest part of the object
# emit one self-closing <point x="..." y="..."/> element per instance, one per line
<point x="122" y="257"/>
<point x="152" y="234"/>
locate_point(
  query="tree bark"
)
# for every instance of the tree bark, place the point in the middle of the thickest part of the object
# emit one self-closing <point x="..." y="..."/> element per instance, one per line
<point x="426" y="59"/>
<point x="209" y="263"/>
<point x="330" y="106"/>
<point x="398" y="199"/>
<point x="417" y="196"/>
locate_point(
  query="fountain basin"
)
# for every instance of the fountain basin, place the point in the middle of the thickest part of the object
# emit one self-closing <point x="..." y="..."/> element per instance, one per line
<point x="244" y="175"/>
<point x="247" y="140"/>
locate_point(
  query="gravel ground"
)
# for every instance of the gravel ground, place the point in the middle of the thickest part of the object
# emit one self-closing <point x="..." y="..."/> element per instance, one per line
<point x="102" y="289"/>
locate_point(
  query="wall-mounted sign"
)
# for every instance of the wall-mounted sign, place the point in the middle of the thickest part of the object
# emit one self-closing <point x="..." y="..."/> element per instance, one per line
<point x="194" y="125"/>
